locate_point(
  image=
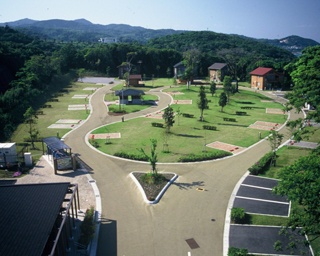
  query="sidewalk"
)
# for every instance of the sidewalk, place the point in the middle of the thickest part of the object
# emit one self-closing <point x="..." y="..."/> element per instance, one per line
<point x="43" y="173"/>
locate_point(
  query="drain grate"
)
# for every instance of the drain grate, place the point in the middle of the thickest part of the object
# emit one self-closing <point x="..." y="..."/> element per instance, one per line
<point x="192" y="243"/>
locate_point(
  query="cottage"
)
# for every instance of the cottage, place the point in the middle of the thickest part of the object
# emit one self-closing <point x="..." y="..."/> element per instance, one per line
<point x="179" y="70"/>
<point x="134" y="80"/>
<point x="262" y="78"/>
<point x="130" y="96"/>
<point x="217" y="71"/>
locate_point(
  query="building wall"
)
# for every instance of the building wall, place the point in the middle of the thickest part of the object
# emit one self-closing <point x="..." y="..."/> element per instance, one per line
<point x="258" y="82"/>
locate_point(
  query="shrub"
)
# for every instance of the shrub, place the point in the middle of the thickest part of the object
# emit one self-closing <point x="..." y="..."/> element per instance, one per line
<point x="229" y="119"/>
<point x="187" y="115"/>
<point x="87" y="227"/>
<point x="94" y="143"/>
<point x="131" y="156"/>
<point x="241" y="113"/>
<point x="260" y="166"/>
<point x="154" y="124"/>
<point x="209" y="127"/>
<point x="204" y="157"/>
<point x="238" y="215"/>
<point x="237" y="252"/>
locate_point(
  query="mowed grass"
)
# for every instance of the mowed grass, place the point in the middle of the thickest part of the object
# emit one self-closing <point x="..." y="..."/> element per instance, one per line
<point x="58" y="110"/>
<point x="187" y="135"/>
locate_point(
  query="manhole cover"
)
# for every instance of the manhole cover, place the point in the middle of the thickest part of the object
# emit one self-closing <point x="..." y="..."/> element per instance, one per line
<point x="200" y="189"/>
<point x="192" y="243"/>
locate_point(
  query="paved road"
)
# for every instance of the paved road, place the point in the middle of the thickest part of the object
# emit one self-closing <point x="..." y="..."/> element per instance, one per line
<point x="131" y="227"/>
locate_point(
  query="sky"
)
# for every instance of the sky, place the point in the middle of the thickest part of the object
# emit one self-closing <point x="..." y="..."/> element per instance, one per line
<point x="272" y="19"/>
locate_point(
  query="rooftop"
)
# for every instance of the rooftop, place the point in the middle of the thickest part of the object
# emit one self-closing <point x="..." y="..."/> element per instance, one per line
<point x="260" y="71"/>
<point x="217" y="66"/>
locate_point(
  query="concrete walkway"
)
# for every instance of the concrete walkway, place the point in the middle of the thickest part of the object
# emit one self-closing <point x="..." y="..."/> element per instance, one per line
<point x="131" y="227"/>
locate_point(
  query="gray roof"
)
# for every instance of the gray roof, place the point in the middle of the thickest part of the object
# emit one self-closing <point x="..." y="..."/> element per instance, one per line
<point x="55" y="143"/>
<point x="217" y="66"/>
<point x="180" y="64"/>
<point x="28" y="213"/>
<point x="129" y="92"/>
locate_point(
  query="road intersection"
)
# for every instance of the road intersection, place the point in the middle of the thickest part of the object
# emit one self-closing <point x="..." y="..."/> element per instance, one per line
<point x="129" y="226"/>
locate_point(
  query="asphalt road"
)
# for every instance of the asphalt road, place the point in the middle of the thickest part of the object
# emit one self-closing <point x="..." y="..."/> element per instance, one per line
<point x="131" y="227"/>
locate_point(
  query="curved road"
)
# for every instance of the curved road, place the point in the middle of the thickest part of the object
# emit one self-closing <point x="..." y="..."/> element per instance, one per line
<point x="130" y="226"/>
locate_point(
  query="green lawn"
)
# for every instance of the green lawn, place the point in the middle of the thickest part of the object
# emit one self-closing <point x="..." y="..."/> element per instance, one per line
<point x="59" y="110"/>
<point x="187" y="135"/>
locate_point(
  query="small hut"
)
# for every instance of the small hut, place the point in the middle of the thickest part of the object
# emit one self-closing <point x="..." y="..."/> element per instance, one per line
<point x="130" y="96"/>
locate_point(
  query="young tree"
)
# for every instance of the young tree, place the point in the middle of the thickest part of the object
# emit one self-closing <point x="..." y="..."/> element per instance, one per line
<point x="227" y="86"/>
<point x="275" y="140"/>
<point x="168" y="117"/>
<point x="213" y="88"/>
<point x="223" y="100"/>
<point x="301" y="183"/>
<point x="30" y="119"/>
<point x="153" y="157"/>
<point x="202" y="101"/>
<point x="127" y="64"/>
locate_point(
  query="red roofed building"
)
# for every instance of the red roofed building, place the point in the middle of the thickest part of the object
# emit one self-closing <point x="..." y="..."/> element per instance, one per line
<point x="261" y="78"/>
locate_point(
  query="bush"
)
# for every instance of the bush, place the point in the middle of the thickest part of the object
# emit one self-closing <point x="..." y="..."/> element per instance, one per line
<point x="204" y="157"/>
<point x="94" y="143"/>
<point x="131" y="156"/>
<point x="241" y="113"/>
<point x="87" y="227"/>
<point x="209" y="127"/>
<point x="154" y="124"/>
<point x="237" y="252"/>
<point x="260" y="166"/>
<point x="187" y="115"/>
<point x="229" y="119"/>
<point x="238" y="215"/>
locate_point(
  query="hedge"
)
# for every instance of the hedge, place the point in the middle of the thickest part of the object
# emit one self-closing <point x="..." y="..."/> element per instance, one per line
<point x="237" y="252"/>
<point x="260" y="166"/>
<point x="204" y="157"/>
<point x="131" y="156"/>
<point x="154" y="124"/>
<point x="209" y="127"/>
<point x="187" y="115"/>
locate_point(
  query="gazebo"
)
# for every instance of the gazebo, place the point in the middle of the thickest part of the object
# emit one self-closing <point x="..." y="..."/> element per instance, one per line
<point x="130" y="96"/>
<point x="60" y="152"/>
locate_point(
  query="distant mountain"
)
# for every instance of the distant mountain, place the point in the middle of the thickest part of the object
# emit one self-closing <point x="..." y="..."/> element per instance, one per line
<point x="85" y="31"/>
<point x="294" y="44"/>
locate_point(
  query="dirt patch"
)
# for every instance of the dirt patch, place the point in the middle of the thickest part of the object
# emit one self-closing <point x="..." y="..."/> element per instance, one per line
<point x="226" y="147"/>
<point x="116" y="135"/>
<point x="274" y="111"/>
<point x="182" y="102"/>
<point x="156" y="115"/>
<point x="260" y="125"/>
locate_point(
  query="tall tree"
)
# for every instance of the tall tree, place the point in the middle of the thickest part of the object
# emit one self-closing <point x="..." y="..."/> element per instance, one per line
<point x="191" y="59"/>
<point x="306" y="81"/>
<point x="168" y="117"/>
<point x="301" y="183"/>
<point x="213" y="88"/>
<point x="30" y="119"/>
<point x="227" y="86"/>
<point x="202" y="101"/>
<point x="223" y="100"/>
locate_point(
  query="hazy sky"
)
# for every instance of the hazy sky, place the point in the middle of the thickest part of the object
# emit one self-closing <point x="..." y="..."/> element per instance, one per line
<point x="254" y="18"/>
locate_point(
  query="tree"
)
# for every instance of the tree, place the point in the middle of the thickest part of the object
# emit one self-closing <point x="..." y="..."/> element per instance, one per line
<point x="202" y="101"/>
<point x="30" y="119"/>
<point x="301" y="183"/>
<point x="213" y="88"/>
<point x="153" y="157"/>
<point x="127" y="64"/>
<point x="227" y="86"/>
<point x="306" y="79"/>
<point x="191" y="59"/>
<point x="223" y="100"/>
<point x="275" y="140"/>
<point x="168" y="117"/>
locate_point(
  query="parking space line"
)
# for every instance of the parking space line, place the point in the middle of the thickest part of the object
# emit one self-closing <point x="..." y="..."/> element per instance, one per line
<point x="262" y="200"/>
<point x="251" y="186"/>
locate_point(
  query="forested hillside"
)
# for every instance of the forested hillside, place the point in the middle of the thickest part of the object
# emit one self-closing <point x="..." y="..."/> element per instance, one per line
<point x="216" y="47"/>
<point x="30" y="67"/>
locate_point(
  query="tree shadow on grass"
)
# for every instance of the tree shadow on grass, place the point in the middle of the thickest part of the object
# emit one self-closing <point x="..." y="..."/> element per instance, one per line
<point x="185" y="185"/>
